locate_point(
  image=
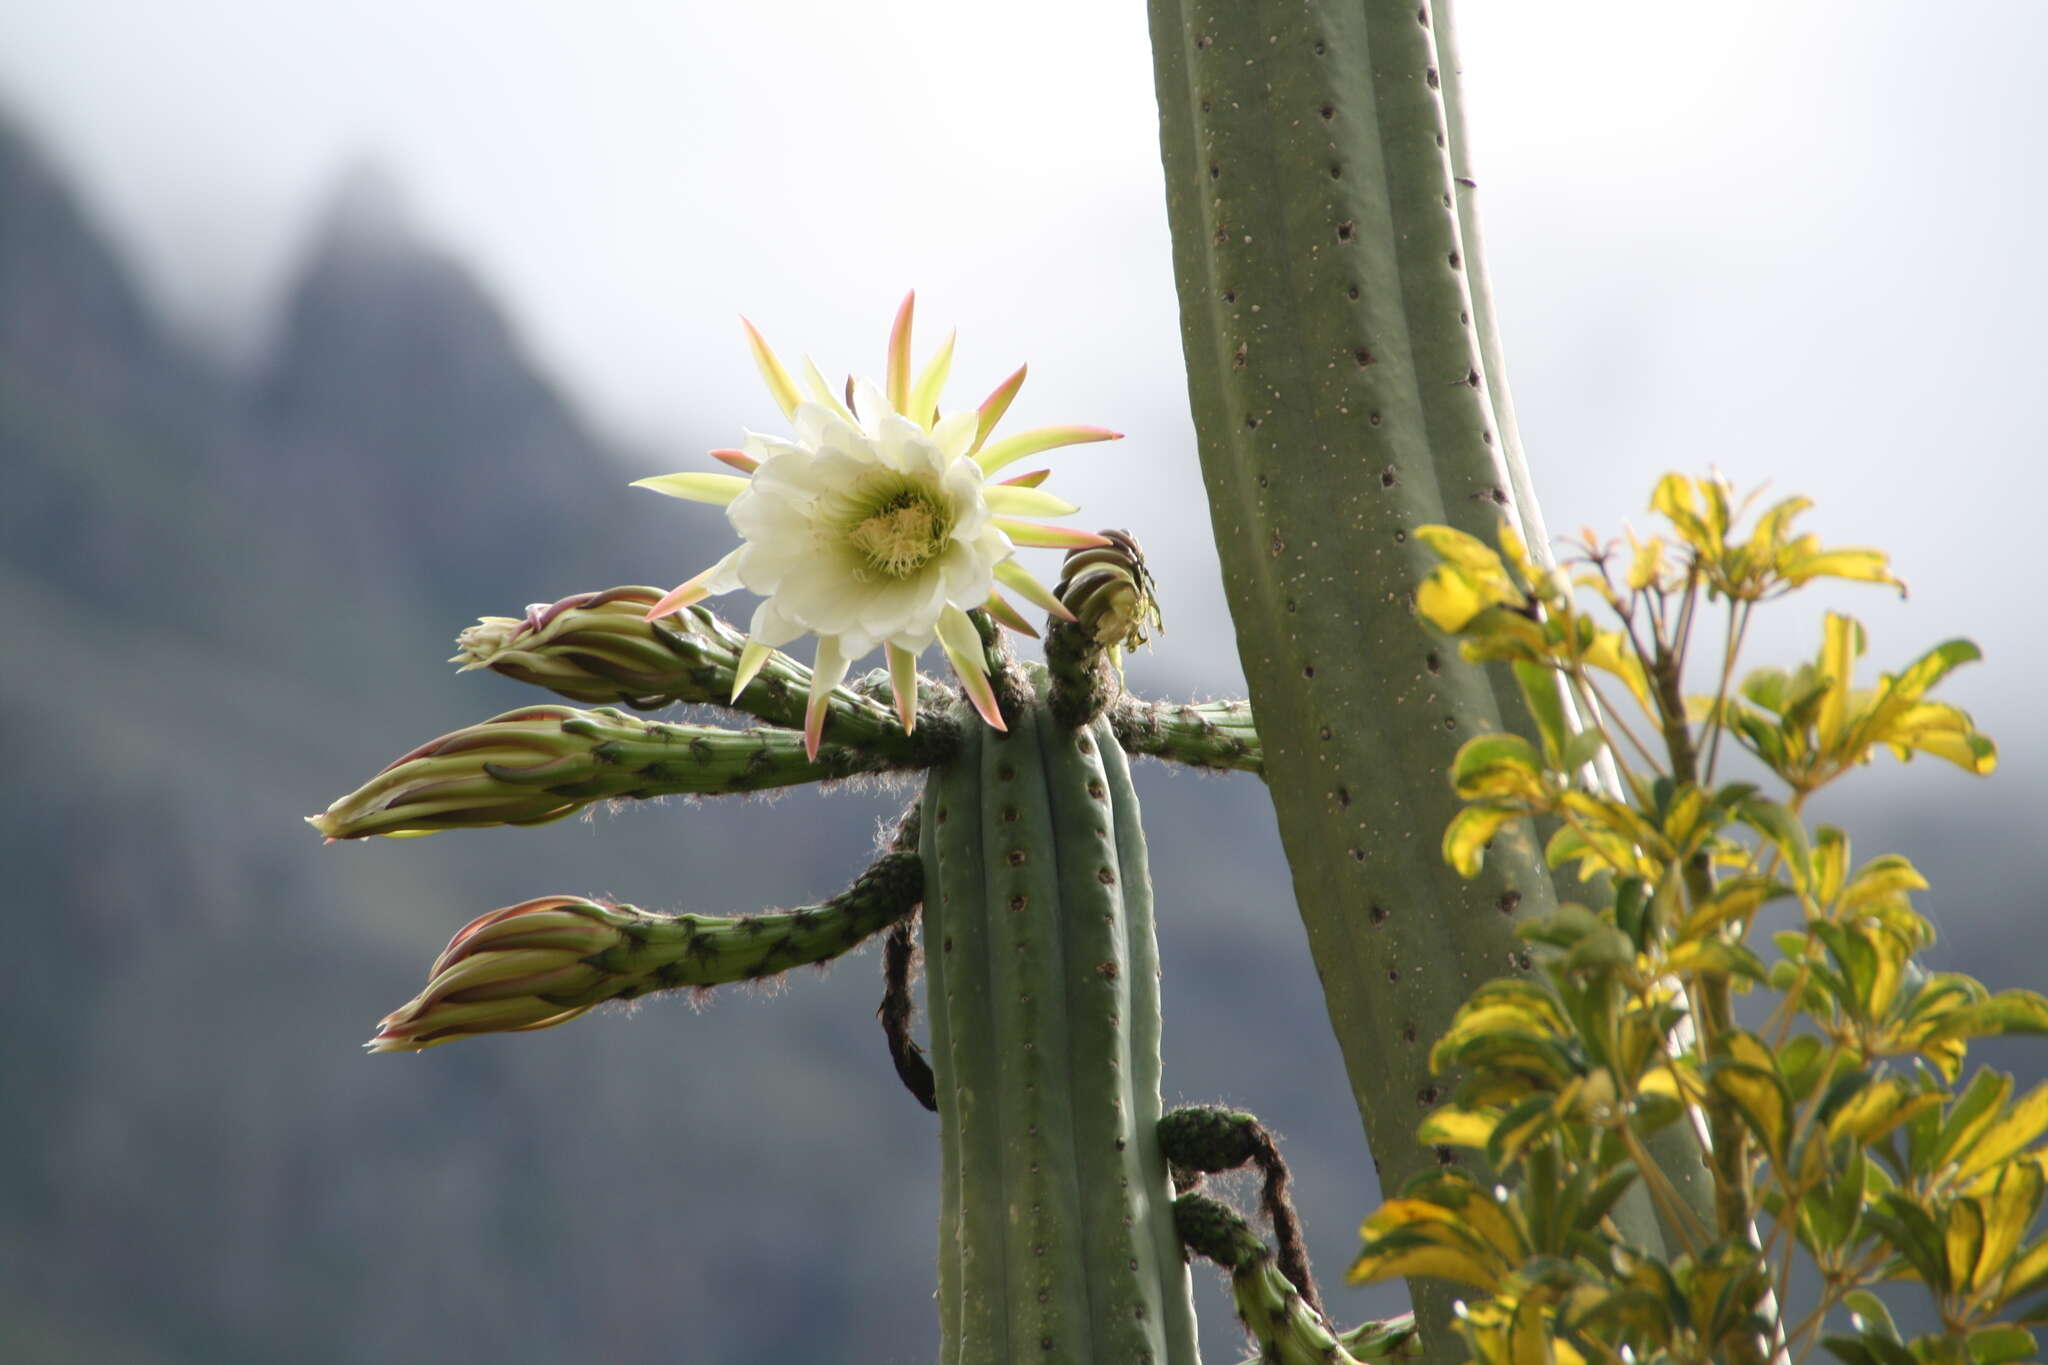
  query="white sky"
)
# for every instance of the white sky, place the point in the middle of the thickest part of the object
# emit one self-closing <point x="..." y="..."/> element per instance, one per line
<point x="1795" y="241"/>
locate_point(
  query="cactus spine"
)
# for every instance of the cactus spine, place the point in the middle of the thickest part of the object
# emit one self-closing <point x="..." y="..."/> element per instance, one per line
<point x="1341" y="371"/>
<point x="1057" y="1239"/>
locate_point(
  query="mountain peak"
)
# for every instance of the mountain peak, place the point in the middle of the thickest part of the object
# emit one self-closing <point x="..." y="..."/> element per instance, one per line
<point x="368" y="211"/>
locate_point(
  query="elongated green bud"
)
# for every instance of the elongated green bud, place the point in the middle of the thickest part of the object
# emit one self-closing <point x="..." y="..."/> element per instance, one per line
<point x="1210" y="734"/>
<point x="543" y="962"/>
<point x="1288" y="1330"/>
<point x="600" y="647"/>
<point x="539" y="764"/>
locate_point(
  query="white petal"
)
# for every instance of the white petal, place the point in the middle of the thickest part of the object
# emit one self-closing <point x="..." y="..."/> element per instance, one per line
<point x="953" y="435"/>
<point x="969" y="576"/>
<point x="771" y="627"/>
<point x="823" y="593"/>
<point x="870" y="405"/>
<point x="903" y="606"/>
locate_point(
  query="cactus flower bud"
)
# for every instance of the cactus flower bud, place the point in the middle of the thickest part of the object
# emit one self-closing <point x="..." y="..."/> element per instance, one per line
<point x="543" y="962"/>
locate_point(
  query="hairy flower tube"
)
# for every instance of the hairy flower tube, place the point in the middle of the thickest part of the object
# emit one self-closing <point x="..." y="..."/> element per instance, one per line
<point x="878" y="524"/>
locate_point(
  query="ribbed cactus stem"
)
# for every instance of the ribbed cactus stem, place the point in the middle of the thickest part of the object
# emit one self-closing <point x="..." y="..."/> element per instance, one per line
<point x="1056" y="1235"/>
<point x="600" y="647"/>
<point x="543" y="962"/>
<point x="1341" y="398"/>
<point x="1210" y="734"/>
<point x="542" y="763"/>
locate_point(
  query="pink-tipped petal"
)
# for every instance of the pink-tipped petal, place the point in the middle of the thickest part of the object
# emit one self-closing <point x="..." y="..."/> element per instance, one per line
<point x="683" y="595"/>
<point x="779" y="383"/>
<point x="899" y="355"/>
<point x="924" y="395"/>
<point x="738" y="459"/>
<point x="1018" y="579"/>
<point x="999" y="607"/>
<point x="826" y="673"/>
<point x="996" y="404"/>
<point x="962" y="643"/>
<point x="903" y="682"/>
<point x="752" y="655"/>
<point x="1031" y="480"/>
<point x="1039" y="536"/>
<point x="1038" y="439"/>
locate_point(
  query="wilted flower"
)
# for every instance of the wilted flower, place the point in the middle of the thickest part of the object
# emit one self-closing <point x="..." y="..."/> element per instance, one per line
<point x="877" y="524"/>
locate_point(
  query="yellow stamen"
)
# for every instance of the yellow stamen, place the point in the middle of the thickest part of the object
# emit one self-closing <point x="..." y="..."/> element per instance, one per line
<point x="901" y="538"/>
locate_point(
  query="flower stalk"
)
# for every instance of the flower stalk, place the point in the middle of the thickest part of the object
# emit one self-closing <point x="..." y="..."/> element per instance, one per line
<point x="544" y="962"/>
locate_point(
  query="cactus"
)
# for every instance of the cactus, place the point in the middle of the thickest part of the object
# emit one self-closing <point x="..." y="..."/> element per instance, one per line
<point x="1345" y="381"/>
<point x="1059" y="1237"/>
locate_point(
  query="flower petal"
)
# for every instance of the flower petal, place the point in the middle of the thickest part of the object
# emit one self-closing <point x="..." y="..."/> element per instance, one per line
<point x="717" y="489"/>
<point x="1031" y="480"/>
<point x="1043" y="537"/>
<point x="1013" y="499"/>
<point x="903" y="682"/>
<point x="995" y="405"/>
<point x="1013" y="448"/>
<point x="752" y="656"/>
<point x="778" y="380"/>
<point x="999" y="607"/>
<point x="720" y="577"/>
<point x="827" y="673"/>
<point x="1018" y="579"/>
<point x="954" y="436"/>
<point x="822" y="392"/>
<point x="924" y="395"/>
<point x="738" y="459"/>
<point x="899" y="355"/>
<point x="962" y="643"/>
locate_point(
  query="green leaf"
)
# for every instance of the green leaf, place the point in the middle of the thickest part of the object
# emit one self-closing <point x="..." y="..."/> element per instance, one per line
<point x="1997" y="1345"/>
<point x="1759" y="1096"/>
<point x="1582" y="749"/>
<point x="1498" y="767"/>
<point x="1471" y="830"/>
<point x="1543" y="689"/>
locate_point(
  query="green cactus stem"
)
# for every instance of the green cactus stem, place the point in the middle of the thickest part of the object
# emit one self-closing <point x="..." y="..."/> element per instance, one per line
<point x="600" y="647"/>
<point x="1288" y="1329"/>
<point x="1210" y="734"/>
<point x="1342" y="397"/>
<point x="1056" y="1232"/>
<point x="542" y="763"/>
<point x="544" y="962"/>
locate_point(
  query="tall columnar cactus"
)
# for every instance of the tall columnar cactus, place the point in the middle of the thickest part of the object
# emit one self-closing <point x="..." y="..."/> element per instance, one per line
<point x="1346" y="390"/>
<point x="1059" y="1238"/>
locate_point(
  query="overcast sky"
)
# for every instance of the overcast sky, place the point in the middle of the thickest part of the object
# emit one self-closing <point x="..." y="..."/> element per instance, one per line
<point x="1794" y="241"/>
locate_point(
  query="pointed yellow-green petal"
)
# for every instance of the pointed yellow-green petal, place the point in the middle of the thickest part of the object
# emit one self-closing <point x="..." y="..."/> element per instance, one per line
<point x="999" y="607"/>
<point x="995" y="405"/>
<point x="779" y="383"/>
<point x="1042" y="537"/>
<point x="1031" y="480"/>
<point x="822" y="392"/>
<point x="1018" y="579"/>
<point x="1012" y="500"/>
<point x="924" y="395"/>
<point x="903" y="682"/>
<point x="716" y="489"/>
<point x="752" y="656"/>
<point x="898" y="388"/>
<point x="1013" y="448"/>
<point x="962" y="643"/>
<point x="827" y="673"/>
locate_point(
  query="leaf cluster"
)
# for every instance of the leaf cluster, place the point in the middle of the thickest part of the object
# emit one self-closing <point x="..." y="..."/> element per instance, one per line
<point x="1841" y="1130"/>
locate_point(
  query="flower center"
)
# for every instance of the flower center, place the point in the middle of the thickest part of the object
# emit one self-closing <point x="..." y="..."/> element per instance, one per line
<point x="902" y="535"/>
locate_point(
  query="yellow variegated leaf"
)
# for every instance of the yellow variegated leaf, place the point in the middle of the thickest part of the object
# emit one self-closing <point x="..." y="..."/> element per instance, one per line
<point x="1841" y="644"/>
<point x="1962" y="1238"/>
<point x="2016" y="1129"/>
<point x="2009" y="1208"/>
<point x="1451" y="1126"/>
<point x="1646" y="563"/>
<point x="1761" y="1099"/>
<point x="1470" y="831"/>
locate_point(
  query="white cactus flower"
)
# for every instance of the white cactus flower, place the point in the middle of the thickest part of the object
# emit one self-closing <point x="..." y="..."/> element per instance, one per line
<point x="877" y="524"/>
